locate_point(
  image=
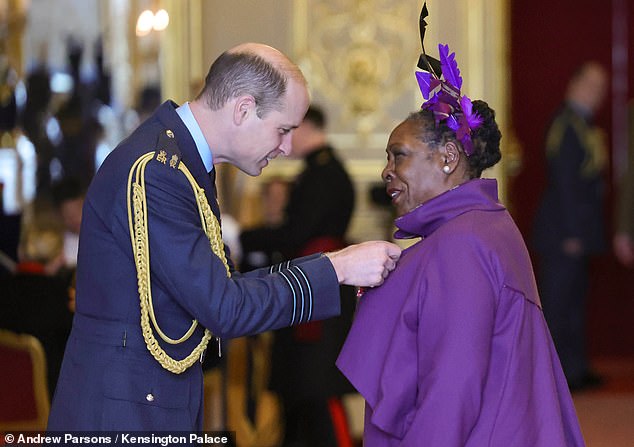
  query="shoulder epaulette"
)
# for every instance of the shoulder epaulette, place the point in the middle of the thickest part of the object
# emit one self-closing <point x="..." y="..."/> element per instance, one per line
<point x="557" y="129"/>
<point x="323" y="158"/>
<point x="167" y="151"/>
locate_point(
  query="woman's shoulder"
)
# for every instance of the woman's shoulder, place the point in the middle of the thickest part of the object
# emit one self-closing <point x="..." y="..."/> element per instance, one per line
<point x="474" y="227"/>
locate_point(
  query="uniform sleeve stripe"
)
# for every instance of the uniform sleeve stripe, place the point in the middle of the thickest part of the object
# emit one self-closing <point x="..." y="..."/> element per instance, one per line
<point x="310" y="292"/>
<point x="285" y="265"/>
<point x="294" y="296"/>
<point x="301" y="289"/>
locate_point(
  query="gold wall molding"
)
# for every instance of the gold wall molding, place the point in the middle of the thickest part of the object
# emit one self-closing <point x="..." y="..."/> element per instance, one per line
<point x="119" y="52"/>
<point x="359" y="58"/>
<point x="181" y="55"/>
<point x="12" y="24"/>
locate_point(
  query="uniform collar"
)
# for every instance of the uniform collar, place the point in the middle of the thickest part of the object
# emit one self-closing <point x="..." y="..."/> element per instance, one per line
<point x="580" y="110"/>
<point x="190" y="122"/>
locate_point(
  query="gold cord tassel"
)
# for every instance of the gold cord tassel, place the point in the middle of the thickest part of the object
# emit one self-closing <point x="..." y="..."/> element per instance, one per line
<point x="137" y="221"/>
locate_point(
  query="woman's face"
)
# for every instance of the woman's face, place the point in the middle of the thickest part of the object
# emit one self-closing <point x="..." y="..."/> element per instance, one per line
<point x="413" y="173"/>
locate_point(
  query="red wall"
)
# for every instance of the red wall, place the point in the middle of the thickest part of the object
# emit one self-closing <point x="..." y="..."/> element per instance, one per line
<point x="549" y="40"/>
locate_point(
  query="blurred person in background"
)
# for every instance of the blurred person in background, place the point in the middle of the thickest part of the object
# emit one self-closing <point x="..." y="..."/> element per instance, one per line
<point x="321" y="199"/>
<point x="9" y="222"/>
<point x="33" y="119"/>
<point x="569" y="225"/>
<point x="68" y="198"/>
<point x="316" y="218"/>
<point x="273" y="200"/>
<point x="35" y="300"/>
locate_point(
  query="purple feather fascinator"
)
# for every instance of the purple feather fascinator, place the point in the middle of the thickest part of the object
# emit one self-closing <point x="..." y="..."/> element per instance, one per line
<point x="440" y="85"/>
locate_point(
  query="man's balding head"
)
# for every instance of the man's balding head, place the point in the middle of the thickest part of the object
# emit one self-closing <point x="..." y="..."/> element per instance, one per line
<point x="250" y="69"/>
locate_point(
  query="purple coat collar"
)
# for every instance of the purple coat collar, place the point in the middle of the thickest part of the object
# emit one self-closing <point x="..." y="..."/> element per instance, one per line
<point x="476" y="194"/>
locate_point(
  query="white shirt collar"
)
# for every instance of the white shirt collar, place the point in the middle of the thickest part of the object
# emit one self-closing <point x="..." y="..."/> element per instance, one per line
<point x="204" y="150"/>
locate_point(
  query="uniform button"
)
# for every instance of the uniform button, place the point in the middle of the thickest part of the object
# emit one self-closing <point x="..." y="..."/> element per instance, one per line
<point x="169" y="133"/>
<point x="149" y="397"/>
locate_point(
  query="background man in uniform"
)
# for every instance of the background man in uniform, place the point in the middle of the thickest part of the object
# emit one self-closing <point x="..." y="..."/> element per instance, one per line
<point x="317" y="216"/>
<point x="569" y="226"/>
<point x="149" y="232"/>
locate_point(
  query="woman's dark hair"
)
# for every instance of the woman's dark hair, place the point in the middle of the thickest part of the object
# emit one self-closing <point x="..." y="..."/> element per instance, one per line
<point x="486" y="138"/>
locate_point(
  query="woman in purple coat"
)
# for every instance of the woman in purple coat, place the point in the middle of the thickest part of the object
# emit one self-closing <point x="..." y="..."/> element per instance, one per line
<point x="453" y="349"/>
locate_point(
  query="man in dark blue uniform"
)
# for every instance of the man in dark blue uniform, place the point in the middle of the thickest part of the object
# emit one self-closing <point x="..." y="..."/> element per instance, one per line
<point x="569" y="224"/>
<point x="154" y="282"/>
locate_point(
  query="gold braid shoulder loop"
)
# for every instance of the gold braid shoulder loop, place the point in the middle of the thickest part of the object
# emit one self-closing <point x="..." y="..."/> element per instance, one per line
<point x="138" y="224"/>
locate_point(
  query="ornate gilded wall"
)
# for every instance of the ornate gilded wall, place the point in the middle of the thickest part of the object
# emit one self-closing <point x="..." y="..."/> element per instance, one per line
<point x="358" y="56"/>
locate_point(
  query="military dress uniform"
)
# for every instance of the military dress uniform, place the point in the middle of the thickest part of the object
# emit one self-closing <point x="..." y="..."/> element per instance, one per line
<point x="145" y="234"/>
<point x="571" y="207"/>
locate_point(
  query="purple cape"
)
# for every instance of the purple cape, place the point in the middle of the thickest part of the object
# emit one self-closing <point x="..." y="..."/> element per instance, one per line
<point x="453" y="349"/>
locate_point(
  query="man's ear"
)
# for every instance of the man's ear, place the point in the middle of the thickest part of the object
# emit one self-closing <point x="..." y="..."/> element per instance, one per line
<point x="244" y="107"/>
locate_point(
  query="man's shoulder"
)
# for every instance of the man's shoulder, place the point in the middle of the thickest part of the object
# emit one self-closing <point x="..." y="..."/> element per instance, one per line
<point x="566" y="127"/>
<point x="325" y="159"/>
<point x="166" y="150"/>
<point x="151" y="141"/>
<point x="152" y="136"/>
<point x="568" y="117"/>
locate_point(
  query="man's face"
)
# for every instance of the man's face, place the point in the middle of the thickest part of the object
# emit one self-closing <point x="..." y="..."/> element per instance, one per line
<point x="590" y="88"/>
<point x="263" y="139"/>
<point x="596" y="85"/>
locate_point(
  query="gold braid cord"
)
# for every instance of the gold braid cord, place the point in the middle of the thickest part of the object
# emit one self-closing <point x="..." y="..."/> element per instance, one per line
<point x="137" y="221"/>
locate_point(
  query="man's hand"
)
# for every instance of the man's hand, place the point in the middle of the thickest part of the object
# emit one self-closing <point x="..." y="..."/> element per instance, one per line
<point x="572" y="247"/>
<point x="624" y="249"/>
<point x="366" y="264"/>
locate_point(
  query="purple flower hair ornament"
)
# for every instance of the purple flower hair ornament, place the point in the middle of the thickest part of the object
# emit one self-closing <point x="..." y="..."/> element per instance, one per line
<point x="443" y="98"/>
<point x="463" y="123"/>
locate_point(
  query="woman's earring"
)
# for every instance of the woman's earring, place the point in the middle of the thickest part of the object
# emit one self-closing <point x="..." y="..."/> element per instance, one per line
<point x="446" y="169"/>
